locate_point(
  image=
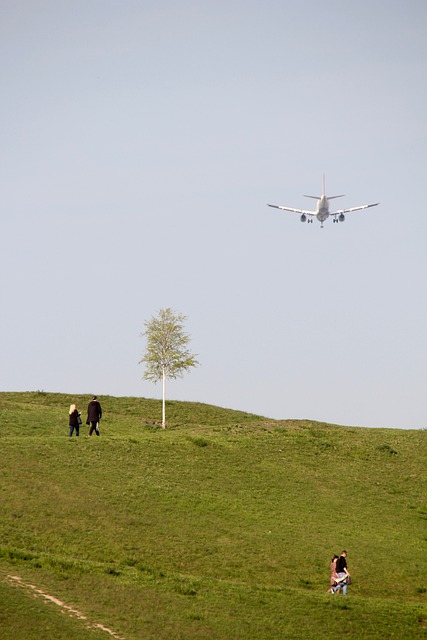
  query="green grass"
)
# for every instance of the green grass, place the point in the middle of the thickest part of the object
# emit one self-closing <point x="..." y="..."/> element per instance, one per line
<point x="22" y="616"/>
<point x="221" y="526"/>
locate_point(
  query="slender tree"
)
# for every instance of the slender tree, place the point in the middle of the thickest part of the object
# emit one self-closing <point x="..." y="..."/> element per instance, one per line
<point x="166" y="353"/>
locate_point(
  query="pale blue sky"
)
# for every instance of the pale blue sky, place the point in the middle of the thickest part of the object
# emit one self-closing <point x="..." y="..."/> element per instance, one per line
<point x="140" y="143"/>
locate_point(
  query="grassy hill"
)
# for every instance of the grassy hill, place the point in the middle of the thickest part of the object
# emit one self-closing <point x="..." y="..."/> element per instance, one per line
<point x="221" y="526"/>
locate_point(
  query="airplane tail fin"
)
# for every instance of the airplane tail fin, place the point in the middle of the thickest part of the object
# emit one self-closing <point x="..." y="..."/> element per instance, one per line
<point x="324" y="193"/>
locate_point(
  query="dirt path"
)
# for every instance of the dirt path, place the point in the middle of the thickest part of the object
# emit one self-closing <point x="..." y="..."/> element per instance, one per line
<point x="65" y="608"/>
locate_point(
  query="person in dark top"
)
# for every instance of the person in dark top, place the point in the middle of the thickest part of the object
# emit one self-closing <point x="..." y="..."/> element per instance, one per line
<point x="94" y="415"/>
<point x="342" y="573"/>
<point x="74" y="420"/>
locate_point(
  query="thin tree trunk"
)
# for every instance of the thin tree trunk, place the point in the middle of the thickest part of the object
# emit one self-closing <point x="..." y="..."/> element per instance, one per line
<point x="164" y="401"/>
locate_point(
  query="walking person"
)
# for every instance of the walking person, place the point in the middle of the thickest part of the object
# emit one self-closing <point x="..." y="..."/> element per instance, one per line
<point x="94" y="415"/>
<point x="74" y="420"/>
<point x="342" y="573"/>
<point x="334" y="575"/>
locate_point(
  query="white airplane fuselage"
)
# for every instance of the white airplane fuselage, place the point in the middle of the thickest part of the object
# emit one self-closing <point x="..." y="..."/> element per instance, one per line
<point x="322" y="209"/>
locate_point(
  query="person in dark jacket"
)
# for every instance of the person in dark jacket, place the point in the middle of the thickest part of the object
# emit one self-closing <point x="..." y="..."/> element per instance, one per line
<point x="94" y="415"/>
<point x="74" y="420"/>
<point x="342" y="573"/>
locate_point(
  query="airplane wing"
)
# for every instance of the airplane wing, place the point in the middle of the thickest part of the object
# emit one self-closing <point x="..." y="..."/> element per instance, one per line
<point x="364" y="206"/>
<point x="307" y="213"/>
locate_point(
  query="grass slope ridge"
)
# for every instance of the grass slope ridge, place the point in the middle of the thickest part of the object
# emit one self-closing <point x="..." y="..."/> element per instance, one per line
<point x="220" y="526"/>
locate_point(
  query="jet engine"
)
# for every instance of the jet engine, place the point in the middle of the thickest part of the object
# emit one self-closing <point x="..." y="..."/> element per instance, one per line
<point x="303" y="217"/>
<point x="341" y="217"/>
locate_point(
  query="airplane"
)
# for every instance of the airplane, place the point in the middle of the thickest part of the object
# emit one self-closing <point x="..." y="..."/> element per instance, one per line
<point x="322" y="212"/>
